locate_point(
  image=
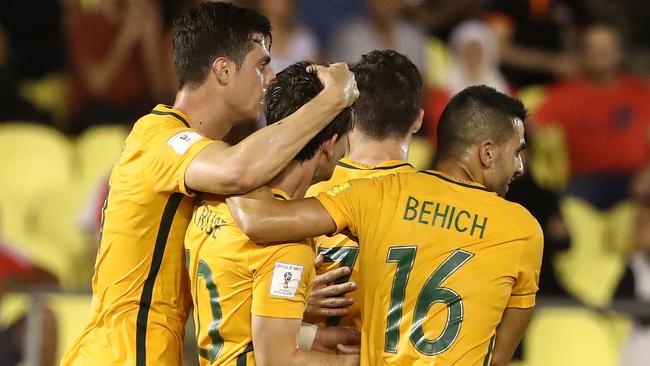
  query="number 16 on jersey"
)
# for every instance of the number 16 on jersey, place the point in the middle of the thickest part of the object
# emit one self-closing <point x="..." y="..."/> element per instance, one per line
<point x="431" y="293"/>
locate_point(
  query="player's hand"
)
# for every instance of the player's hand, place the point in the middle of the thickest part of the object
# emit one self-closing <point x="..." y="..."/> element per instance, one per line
<point x="339" y="80"/>
<point x="327" y="299"/>
<point x="336" y="340"/>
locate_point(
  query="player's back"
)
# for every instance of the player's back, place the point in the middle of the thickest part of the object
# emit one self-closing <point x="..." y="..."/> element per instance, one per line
<point x="233" y="278"/>
<point x="440" y="260"/>
<point x="340" y="250"/>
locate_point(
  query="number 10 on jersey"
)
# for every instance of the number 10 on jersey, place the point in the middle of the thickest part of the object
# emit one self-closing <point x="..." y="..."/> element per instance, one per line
<point x="431" y="293"/>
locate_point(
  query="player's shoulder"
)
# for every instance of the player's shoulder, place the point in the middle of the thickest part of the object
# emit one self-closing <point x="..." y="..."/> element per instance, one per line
<point x="160" y="120"/>
<point x="521" y="218"/>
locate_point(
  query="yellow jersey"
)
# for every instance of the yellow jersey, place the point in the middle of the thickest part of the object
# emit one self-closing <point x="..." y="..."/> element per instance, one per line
<point x="440" y="259"/>
<point x="140" y="288"/>
<point x="341" y="250"/>
<point x="232" y="277"/>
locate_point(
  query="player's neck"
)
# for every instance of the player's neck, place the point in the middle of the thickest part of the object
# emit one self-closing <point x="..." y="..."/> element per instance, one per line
<point x="458" y="171"/>
<point x="295" y="179"/>
<point x="376" y="152"/>
<point x="214" y="121"/>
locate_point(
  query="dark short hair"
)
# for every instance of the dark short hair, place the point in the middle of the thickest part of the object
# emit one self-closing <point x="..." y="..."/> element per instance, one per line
<point x="292" y="88"/>
<point x="390" y="94"/>
<point x="210" y="30"/>
<point x="474" y="114"/>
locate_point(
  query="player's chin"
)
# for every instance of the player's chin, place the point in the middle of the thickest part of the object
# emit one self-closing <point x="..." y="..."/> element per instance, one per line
<point x="503" y="190"/>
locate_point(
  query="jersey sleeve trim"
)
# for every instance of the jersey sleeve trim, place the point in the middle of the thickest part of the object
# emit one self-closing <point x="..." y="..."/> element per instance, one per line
<point x="189" y="156"/>
<point x="521" y="302"/>
<point x="289" y="309"/>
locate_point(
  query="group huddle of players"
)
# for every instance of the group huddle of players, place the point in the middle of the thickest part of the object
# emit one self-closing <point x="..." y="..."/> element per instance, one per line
<point x="444" y="270"/>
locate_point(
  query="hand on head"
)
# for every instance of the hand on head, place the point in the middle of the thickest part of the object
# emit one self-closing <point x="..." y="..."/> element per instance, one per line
<point x="339" y="79"/>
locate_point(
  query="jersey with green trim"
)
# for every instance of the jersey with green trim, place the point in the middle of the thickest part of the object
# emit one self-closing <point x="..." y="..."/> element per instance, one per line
<point x="341" y="250"/>
<point x="440" y="260"/>
<point x="233" y="277"/>
<point x="140" y="288"/>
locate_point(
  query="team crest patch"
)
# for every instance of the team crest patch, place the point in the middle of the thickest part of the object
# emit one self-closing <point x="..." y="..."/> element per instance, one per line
<point x="182" y="141"/>
<point x="338" y="188"/>
<point x="286" y="279"/>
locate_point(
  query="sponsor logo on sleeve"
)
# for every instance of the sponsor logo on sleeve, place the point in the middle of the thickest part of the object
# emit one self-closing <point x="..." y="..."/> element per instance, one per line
<point x="182" y="141"/>
<point x="286" y="280"/>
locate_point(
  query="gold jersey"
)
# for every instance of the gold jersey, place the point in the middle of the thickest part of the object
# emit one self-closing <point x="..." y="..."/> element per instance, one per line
<point x="233" y="277"/>
<point x="341" y="250"/>
<point x="140" y="288"/>
<point x="440" y="259"/>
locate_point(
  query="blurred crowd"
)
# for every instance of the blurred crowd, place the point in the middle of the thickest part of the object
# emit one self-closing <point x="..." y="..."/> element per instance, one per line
<point x="579" y="66"/>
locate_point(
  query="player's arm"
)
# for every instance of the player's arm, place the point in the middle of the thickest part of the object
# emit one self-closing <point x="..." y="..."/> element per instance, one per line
<point x="342" y="207"/>
<point x="266" y="220"/>
<point x="519" y="309"/>
<point x="224" y="169"/>
<point x="274" y="343"/>
<point x="509" y="333"/>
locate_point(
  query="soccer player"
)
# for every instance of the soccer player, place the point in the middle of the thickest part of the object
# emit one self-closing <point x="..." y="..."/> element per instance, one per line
<point x="387" y="113"/>
<point x="449" y="269"/>
<point x="141" y="297"/>
<point x="248" y="297"/>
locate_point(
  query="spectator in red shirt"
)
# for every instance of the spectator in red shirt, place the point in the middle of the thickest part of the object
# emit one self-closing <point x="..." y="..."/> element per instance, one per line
<point x="605" y="117"/>
<point x="121" y="60"/>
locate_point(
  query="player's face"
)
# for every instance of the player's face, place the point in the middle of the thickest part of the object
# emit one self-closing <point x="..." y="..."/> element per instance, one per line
<point x="251" y="81"/>
<point x="509" y="163"/>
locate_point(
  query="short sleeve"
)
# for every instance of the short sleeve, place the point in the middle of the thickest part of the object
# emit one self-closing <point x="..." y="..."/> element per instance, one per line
<point x="169" y="154"/>
<point x="530" y="262"/>
<point x="282" y="282"/>
<point x="347" y="202"/>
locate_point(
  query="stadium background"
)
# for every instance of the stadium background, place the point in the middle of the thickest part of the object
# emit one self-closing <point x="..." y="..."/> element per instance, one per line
<point x="77" y="73"/>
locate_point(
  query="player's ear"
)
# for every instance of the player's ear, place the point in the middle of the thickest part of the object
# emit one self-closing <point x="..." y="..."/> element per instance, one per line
<point x="487" y="153"/>
<point x="223" y="70"/>
<point x="417" y="124"/>
<point x="328" y="145"/>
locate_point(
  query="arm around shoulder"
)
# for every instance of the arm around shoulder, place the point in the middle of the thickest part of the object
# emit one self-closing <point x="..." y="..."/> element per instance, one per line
<point x="266" y="220"/>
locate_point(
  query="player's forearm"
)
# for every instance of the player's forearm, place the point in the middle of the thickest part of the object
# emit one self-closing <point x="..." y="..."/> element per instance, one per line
<point x="509" y="333"/>
<point x="301" y="357"/>
<point x="266" y="221"/>
<point x="267" y="151"/>
<point x="306" y="357"/>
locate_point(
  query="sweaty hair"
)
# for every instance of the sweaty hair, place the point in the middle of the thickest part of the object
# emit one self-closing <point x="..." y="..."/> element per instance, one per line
<point x="390" y="94"/>
<point x="477" y="113"/>
<point x="210" y="30"/>
<point x="291" y="89"/>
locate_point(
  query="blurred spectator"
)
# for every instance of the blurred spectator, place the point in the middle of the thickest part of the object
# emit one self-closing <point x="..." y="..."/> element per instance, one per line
<point x="18" y="273"/>
<point x="605" y="117"/>
<point x="439" y="17"/>
<point x="325" y="16"/>
<point x="13" y="107"/>
<point x="635" y="283"/>
<point x="121" y="61"/>
<point x="292" y="41"/>
<point x="533" y="36"/>
<point x="475" y="61"/>
<point x="34" y="33"/>
<point x="381" y="28"/>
